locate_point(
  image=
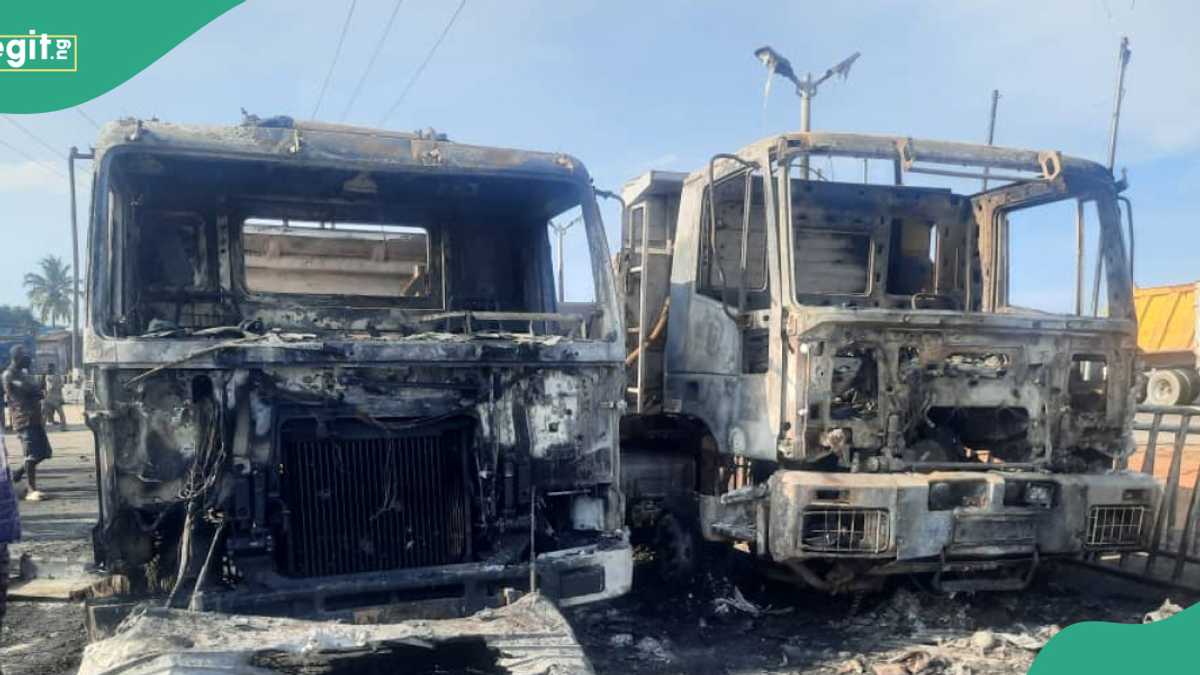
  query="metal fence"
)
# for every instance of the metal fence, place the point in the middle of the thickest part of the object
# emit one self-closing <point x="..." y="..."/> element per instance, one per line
<point x="1171" y="552"/>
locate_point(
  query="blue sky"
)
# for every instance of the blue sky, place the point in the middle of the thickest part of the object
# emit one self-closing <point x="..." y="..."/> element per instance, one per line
<point x="628" y="86"/>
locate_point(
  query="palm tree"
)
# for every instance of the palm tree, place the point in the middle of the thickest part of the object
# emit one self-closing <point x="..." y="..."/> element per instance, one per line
<point x="50" y="292"/>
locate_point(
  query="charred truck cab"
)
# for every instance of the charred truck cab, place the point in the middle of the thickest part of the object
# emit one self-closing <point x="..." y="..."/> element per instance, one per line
<point x="838" y="377"/>
<point x="326" y="369"/>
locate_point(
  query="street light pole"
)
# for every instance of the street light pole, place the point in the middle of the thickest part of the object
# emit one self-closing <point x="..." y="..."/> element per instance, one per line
<point x="806" y="88"/>
<point x="561" y="232"/>
<point x="806" y="91"/>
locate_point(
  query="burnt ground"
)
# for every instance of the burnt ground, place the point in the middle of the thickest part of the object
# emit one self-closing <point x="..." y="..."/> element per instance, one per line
<point x="699" y="628"/>
<point x="903" y="629"/>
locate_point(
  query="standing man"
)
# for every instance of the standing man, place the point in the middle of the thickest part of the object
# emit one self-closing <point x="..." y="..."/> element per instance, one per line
<point x="10" y="526"/>
<point x="24" y="398"/>
<point x="52" y="405"/>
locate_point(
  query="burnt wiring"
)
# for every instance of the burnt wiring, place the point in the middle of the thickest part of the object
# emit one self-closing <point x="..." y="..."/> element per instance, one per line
<point x="212" y="349"/>
<point x="205" y="469"/>
<point x="193" y="602"/>
<point x="202" y="476"/>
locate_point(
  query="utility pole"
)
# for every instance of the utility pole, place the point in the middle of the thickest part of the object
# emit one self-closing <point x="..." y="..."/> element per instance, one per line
<point x="75" y="340"/>
<point x="1123" y="55"/>
<point x="991" y="136"/>
<point x="561" y="232"/>
<point x="806" y="88"/>
<point x="1000" y="295"/>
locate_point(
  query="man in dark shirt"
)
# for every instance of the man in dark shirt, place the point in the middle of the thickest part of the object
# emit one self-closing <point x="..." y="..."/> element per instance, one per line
<point x="24" y="397"/>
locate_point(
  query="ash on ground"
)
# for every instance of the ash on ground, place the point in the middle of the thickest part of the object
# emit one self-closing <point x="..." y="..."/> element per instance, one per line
<point x="742" y="624"/>
<point x="42" y="638"/>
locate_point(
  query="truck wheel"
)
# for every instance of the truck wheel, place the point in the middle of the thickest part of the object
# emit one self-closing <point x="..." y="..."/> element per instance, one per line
<point x="675" y="548"/>
<point x="1192" y="379"/>
<point x="1167" y="387"/>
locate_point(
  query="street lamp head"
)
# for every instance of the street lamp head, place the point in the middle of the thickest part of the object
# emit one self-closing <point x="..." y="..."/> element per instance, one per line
<point x="806" y="89"/>
<point x="776" y="64"/>
<point x="842" y="69"/>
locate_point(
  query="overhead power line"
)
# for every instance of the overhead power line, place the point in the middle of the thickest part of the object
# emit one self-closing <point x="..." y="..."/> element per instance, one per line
<point x="32" y="159"/>
<point x="87" y="117"/>
<point x="333" y="62"/>
<point x="374" y="55"/>
<point x="54" y="151"/>
<point x="428" y="57"/>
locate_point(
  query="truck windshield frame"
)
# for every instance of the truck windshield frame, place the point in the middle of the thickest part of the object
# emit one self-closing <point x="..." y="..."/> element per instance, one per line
<point x="467" y="206"/>
<point x="955" y="224"/>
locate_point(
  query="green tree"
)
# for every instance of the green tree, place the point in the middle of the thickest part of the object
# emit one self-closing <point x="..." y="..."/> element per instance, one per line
<point x="50" y="291"/>
<point x="14" y="319"/>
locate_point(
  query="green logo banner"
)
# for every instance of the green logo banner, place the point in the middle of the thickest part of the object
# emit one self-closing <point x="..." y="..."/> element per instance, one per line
<point x="55" y="55"/>
<point x="1100" y="648"/>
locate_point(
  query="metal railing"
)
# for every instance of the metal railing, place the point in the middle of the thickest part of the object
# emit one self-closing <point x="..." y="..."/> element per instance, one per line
<point x="1170" y="554"/>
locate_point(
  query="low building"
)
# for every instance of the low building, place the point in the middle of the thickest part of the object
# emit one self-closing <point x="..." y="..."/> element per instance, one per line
<point x="53" y="346"/>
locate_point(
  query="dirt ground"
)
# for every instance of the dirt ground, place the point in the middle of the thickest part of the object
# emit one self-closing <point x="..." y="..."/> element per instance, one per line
<point x="47" y="638"/>
<point x="1164" y="447"/>
<point x="732" y="623"/>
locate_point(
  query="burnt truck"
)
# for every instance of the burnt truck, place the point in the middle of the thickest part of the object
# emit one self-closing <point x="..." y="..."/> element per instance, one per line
<point x="837" y="377"/>
<point x="326" y="369"/>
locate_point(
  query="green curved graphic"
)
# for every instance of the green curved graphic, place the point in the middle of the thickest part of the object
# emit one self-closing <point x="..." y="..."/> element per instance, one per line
<point x="88" y="47"/>
<point x="1100" y="648"/>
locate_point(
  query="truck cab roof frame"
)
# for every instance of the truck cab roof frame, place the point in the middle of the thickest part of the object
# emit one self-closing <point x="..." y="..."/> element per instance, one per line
<point x="925" y="156"/>
<point x="335" y="146"/>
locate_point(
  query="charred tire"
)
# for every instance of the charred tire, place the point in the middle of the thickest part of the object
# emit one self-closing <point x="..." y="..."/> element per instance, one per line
<point x="1168" y="387"/>
<point x="676" y="548"/>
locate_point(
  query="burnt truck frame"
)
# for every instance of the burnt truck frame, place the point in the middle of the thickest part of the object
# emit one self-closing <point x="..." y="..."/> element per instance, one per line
<point x="831" y="375"/>
<point x="285" y="426"/>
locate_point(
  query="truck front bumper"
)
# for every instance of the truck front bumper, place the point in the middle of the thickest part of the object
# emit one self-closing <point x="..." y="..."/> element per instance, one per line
<point x="955" y="515"/>
<point x="572" y="576"/>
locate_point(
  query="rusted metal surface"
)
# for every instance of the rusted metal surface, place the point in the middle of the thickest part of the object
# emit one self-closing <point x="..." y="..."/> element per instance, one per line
<point x="859" y="392"/>
<point x="234" y="423"/>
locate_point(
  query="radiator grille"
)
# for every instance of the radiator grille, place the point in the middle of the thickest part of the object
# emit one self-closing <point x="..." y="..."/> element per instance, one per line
<point x="1115" y="526"/>
<point x="845" y="530"/>
<point x="368" y="503"/>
